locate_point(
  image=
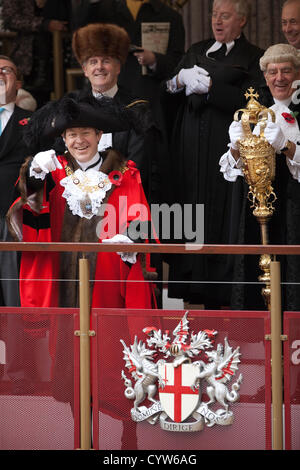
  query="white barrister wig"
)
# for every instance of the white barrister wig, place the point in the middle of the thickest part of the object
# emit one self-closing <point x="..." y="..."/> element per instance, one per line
<point x="280" y="53"/>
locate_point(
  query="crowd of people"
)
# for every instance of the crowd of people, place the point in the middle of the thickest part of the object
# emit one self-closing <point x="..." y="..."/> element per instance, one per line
<point x="181" y="106"/>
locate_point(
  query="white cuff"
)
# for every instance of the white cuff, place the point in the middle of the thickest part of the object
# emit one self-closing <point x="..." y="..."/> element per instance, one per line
<point x="125" y="256"/>
<point x="230" y="168"/>
<point x="172" y="85"/>
<point x="294" y="168"/>
<point x="296" y="157"/>
<point x="152" y="67"/>
<point x="37" y="174"/>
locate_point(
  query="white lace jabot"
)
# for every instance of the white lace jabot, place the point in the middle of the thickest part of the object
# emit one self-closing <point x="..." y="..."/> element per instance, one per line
<point x="85" y="191"/>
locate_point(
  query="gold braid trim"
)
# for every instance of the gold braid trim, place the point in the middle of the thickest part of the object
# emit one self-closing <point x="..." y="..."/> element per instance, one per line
<point x="136" y="102"/>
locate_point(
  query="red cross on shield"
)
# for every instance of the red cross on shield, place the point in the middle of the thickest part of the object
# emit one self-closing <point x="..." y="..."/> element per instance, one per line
<point x="177" y="398"/>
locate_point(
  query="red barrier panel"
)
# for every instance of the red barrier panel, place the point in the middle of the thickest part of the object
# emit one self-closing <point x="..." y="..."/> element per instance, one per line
<point x="39" y="380"/>
<point x="117" y="425"/>
<point x="292" y="380"/>
<point x="43" y="412"/>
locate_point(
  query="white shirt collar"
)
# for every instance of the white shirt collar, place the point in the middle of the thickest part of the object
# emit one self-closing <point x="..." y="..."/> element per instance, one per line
<point x="85" y="165"/>
<point x="217" y="45"/>
<point x="8" y="107"/>
<point x="109" y="93"/>
<point x="286" y="102"/>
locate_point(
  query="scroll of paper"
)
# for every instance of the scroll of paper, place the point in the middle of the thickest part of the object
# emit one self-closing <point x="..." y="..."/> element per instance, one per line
<point x="155" y="38"/>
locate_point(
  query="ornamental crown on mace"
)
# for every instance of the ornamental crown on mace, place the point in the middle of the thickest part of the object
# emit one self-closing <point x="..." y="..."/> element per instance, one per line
<point x="258" y="156"/>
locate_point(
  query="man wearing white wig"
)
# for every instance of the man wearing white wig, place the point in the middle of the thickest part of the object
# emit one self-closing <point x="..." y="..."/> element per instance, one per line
<point x="281" y="67"/>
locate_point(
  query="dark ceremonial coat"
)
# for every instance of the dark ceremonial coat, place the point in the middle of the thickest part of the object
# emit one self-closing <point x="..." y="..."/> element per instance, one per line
<point x="146" y="150"/>
<point x="199" y="138"/>
<point x="283" y="229"/>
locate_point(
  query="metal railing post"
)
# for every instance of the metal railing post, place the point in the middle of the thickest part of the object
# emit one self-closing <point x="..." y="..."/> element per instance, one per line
<point x="85" y="387"/>
<point x="276" y="354"/>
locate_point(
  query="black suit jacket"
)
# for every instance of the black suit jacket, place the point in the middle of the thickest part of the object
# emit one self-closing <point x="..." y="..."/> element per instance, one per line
<point x="12" y="154"/>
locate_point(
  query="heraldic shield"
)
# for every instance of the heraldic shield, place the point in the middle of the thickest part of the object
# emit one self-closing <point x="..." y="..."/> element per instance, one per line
<point x="176" y="378"/>
<point x="178" y="399"/>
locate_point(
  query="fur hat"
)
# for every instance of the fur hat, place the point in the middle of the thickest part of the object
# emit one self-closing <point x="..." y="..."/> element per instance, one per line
<point x="100" y="39"/>
<point x="280" y="53"/>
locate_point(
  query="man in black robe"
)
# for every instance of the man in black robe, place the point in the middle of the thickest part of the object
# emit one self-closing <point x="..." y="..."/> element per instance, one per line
<point x="209" y="86"/>
<point x="281" y="67"/>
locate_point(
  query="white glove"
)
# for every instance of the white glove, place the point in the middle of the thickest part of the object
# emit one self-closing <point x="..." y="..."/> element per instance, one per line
<point x="199" y="85"/>
<point x="188" y="76"/>
<point x="235" y="133"/>
<point x="125" y="256"/>
<point x="46" y="161"/>
<point x="275" y="136"/>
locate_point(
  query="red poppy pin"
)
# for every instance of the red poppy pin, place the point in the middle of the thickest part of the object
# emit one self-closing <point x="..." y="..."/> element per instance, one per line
<point x="290" y="117"/>
<point x="115" y="177"/>
<point x="24" y="121"/>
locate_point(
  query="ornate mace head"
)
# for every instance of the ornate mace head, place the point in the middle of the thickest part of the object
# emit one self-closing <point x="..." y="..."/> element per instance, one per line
<point x="258" y="155"/>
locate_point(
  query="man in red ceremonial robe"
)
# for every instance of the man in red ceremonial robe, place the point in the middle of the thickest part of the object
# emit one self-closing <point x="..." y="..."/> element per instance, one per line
<point x="83" y="196"/>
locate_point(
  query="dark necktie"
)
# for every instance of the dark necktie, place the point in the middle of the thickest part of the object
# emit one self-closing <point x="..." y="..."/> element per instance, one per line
<point x="219" y="53"/>
<point x="94" y="164"/>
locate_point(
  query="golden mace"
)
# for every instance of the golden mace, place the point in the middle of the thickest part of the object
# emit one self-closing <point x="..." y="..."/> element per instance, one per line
<point x="259" y="165"/>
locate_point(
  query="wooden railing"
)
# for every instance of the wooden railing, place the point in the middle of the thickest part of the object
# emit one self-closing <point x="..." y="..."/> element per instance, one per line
<point x="154" y="248"/>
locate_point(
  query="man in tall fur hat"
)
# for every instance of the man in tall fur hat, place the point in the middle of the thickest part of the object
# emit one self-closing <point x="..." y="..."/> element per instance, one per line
<point x="102" y="50"/>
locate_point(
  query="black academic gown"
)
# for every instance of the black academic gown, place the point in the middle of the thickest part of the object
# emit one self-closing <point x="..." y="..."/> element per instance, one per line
<point x="199" y="138"/>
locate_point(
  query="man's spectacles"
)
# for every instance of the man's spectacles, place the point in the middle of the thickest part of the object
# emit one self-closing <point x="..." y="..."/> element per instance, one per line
<point x="7" y="70"/>
<point x="221" y="16"/>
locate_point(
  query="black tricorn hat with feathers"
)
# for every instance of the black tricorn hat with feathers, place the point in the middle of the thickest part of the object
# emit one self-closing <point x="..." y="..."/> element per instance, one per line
<point x="70" y="113"/>
<point x="50" y="121"/>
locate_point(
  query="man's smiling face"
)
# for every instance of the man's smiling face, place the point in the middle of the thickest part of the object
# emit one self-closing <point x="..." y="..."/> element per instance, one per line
<point x="9" y="84"/>
<point x="102" y="72"/>
<point x="280" y="78"/>
<point x="290" y="23"/>
<point x="82" y="142"/>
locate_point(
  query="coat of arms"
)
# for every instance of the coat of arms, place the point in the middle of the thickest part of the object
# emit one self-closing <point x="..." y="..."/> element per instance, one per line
<point x="172" y="385"/>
